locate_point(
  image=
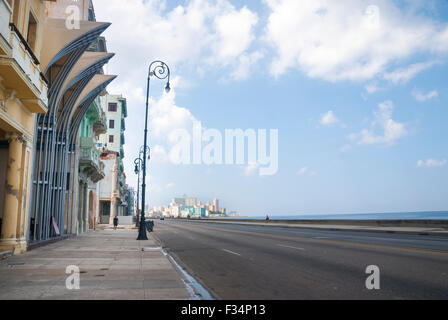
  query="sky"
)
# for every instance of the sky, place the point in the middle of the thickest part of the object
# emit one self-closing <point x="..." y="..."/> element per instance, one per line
<point x="356" y="89"/>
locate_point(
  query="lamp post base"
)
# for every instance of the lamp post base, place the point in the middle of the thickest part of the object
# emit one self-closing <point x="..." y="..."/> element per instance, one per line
<point x="142" y="231"/>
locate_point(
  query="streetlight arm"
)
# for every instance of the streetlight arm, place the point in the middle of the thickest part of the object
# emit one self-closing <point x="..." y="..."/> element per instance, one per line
<point x="160" y="70"/>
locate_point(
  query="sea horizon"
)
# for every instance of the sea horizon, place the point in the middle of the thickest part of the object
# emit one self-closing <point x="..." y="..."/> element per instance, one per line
<point x="417" y="215"/>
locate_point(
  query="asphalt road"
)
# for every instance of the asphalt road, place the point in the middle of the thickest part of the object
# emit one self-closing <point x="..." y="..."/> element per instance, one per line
<point x="253" y="262"/>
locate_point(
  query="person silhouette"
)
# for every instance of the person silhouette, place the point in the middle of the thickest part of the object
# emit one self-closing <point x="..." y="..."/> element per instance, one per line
<point x="115" y="223"/>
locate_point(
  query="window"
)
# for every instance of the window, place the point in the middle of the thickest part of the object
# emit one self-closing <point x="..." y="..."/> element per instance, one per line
<point x="112" y="107"/>
<point x="32" y="31"/>
<point x="111" y="124"/>
<point x="111" y="139"/>
<point x="102" y="44"/>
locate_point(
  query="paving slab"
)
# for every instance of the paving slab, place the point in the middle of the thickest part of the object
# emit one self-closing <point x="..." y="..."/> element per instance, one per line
<point x="112" y="264"/>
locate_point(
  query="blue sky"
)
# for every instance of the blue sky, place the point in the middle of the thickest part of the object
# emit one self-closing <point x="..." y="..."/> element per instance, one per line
<point x="356" y="89"/>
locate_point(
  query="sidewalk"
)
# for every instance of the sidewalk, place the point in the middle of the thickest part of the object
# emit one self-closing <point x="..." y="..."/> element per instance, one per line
<point x="403" y="230"/>
<point x="112" y="266"/>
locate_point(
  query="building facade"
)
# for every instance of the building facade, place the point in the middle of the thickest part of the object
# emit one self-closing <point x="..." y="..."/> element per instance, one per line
<point x="114" y="196"/>
<point x="23" y="95"/>
<point x="91" y="168"/>
<point x="49" y="81"/>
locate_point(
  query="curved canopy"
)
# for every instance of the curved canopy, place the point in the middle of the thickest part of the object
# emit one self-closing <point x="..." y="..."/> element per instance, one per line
<point x="93" y="88"/>
<point x="90" y="62"/>
<point x="58" y="40"/>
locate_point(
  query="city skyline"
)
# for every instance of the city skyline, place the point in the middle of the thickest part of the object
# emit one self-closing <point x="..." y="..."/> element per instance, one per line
<point x="189" y="206"/>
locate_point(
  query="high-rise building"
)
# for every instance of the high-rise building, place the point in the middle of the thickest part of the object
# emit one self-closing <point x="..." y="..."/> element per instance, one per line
<point x="216" y="205"/>
<point x="190" y="202"/>
<point x="179" y="201"/>
<point x="112" y="144"/>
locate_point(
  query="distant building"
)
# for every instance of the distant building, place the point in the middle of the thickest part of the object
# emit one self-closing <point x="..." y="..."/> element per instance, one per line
<point x="187" y="211"/>
<point x="179" y="201"/>
<point x="114" y="197"/>
<point x="216" y="205"/>
<point x="190" y="201"/>
<point x="175" y="211"/>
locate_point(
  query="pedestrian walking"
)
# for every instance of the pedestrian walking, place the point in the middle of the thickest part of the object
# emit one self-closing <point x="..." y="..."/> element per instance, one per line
<point x="115" y="223"/>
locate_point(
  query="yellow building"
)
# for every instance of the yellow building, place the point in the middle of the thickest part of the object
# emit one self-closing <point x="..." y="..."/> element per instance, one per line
<point x="48" y="80"/>
<point x="23" y="94"/>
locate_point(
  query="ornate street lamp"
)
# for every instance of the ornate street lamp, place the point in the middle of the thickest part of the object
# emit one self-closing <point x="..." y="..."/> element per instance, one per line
<point x="137" y="169"/>
<point x="161" y="71"/>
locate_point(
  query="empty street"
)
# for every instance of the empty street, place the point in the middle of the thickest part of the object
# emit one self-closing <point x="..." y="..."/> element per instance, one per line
<point x="255" y="262"/>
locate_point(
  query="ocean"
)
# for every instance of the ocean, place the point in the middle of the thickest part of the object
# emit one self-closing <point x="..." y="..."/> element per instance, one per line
<point x="427" y="215"/>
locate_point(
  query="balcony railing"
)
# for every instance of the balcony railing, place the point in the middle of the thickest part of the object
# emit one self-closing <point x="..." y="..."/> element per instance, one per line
<point x="25" y="43"/>
<point x="20" y="66"/>
<point x="92" y="155"/>
<point x="86" y="142"/>
<point x="89" y="159"/>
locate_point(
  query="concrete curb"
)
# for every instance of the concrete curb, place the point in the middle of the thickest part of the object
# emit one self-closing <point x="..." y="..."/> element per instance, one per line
<point x="440" y="233"/>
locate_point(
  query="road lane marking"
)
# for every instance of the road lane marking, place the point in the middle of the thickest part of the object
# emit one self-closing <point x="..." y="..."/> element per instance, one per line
<point x="231" y="252"/>
<point x="290" y="247"/>
<point x="323" y="239"/>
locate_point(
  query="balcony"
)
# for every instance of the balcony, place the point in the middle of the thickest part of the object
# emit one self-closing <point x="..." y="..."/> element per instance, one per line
<point x="89" y="160"/>
<point x="100" y="126"/>
<point x="19" y="67"/>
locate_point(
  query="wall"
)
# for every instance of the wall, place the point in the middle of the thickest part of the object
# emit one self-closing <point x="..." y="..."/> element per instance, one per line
<point x="3" y="164"/>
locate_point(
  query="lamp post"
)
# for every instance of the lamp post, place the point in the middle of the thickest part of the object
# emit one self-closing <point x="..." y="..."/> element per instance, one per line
<point x="138" y="166"/>
<point x="161" y="71"/>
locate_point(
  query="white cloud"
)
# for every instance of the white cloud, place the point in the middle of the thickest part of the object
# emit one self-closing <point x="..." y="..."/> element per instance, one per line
<point x="350" y="40"/>
<point x="195" y="35"/>
<point x="306" y="171"/>
<point x="246" y="63"/>
<point x="166" y="116"/>
<point x="391" y="130"/>
<point x="403" y="75"/>
<point x="234" y="33"/>
<point x="431" y="163"/>
<point x="422" y="97"/>
<point x="371" y="88"/>
<point x="159" y="154"/>
<point x="328" y="118"/>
